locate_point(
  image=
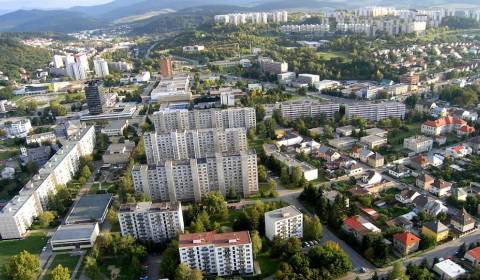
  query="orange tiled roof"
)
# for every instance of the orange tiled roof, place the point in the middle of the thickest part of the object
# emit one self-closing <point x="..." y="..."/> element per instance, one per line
<point x="217" y="239"/>
<point x="446" y="121"/>
<point x="475" y="253"/>
<point x="406" y="238"/>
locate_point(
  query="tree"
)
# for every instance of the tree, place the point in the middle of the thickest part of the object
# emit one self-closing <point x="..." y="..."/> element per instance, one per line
<point x="260" y="112"/>
<point x="262" y="173"/>
<point x="215" y="205"/>
<point x="60" y="273"/>
<point x="296" y="175"/>
<point x="86" y="173"/>
<point x="284" y="176"/>
<point x="169" y="262"/>
<point x="23" y="266"/>
<point x="256" y="242"/>
<point x="427" y="242"/>
<point x="91" y="268"/>
<point x="330" y="257"/>
<point x="398" y="272"/>
<point x="184" y="272"/>
<point x="45" y="218"/>
<point x="312" y="228"/>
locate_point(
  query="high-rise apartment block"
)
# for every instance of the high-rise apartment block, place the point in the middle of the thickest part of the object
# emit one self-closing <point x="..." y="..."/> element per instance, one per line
<point x="76" y="71"/>
<point x="376" y="111"/>
<point x="284" y="222"/>
<point x="219" y="254"/>
<point x="188" y="144"/>
<point x="95" y="98"/>
<point x="308" y="108"/>
<point x="166" y="69"/>
<point x="168" y="120"/>
<point x="19" y="213"/>
<point x="190" y="180"/>
<point x="101" y="68"/>
<point x="147" y="221"/>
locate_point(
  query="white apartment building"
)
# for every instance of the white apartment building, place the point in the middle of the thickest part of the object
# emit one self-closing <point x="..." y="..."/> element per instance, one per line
<point x="100" y="66"/>
<point x="76" y="71"/>
<point x="268" y="65"/>
<point x="308" y="78"/>
<point x="19" y="129"/>
<point x="41" y="138"/>
<point x="418" y="144"/>
<point x="308" y="108"/>
<point x="219" y="254"/>
<point x="358" y="28"/>
<point x="376" y="111"/>
<point x="193" y="143"/>
<point x="58" y="61"/>
<point x="82" y="59"/>
<point x="17" y="216"/>
<point x="284" y="222"/>
<point x="176" y="88"/>
<point x="190" y="180"/>
<point x="168" y="120"/>
<point x="375" y="11"/>
<point x="305" y="28"/>
<point x="254" y="18"/>
<point x="121" y="66"/>
<point x="147" y="221"/>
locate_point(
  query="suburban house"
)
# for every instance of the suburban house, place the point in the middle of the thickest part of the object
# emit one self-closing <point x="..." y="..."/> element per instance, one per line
<point x="399" y="171"/>
<point x="376" y="160"/>
<point x="440" y="188"/>
<point x="459" y="151"/>
<point x="435" y="207"/>
<point x="460" y="194"/>
<point x="406" y="242"/>
<point x="424" y="181"/>
<point x="406" y="196"/>
<point x="448" y="269"/>
<point x="359" y="227"/>
<point x="463" y="222"/>
<point x="473" y="256"/>
<point x="419" y="162"/>
<point x="436" y="230"/>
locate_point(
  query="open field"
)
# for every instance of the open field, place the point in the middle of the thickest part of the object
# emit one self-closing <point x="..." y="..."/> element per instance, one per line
<point x="33" y="244"/>
<point x="66" y="260"/>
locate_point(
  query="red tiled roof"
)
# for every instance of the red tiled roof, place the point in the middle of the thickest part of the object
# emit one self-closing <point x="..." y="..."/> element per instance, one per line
<point x="445" y="121"/>
<point x="406" y="238"/>
<point x="217" y="239"/>
<point x="475" y="253"/>
<point x="420" y="160"/>
<point x="467" y="129"/>
<point x="356" y="225"/>
<point x="370" y="212"/>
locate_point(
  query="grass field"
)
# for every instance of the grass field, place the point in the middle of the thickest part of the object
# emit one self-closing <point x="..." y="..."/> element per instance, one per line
<point x="332" y="54"/>
<point x="33" y="244"/>
<point x="66" y="260"/>
<point x="4" y="155"/>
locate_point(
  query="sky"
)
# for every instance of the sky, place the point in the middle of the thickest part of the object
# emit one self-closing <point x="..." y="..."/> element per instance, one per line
<point x="46" y="4"/>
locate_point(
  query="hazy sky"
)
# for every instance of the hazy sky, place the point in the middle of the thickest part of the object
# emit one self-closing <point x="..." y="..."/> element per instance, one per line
<point x="46" y="4"/>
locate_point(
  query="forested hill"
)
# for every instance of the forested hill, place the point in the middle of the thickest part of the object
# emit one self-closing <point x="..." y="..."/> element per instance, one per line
<point x="16" y="55"/>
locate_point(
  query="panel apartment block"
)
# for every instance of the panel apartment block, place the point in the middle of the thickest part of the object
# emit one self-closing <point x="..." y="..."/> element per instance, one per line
<point x="181" y="119"/>
<point x="193" y="143"/>
<point x="376" y="111"/>
<point x="308" y="108"/>
<point x="188" y="180"/>
<point x="149" y="221"/>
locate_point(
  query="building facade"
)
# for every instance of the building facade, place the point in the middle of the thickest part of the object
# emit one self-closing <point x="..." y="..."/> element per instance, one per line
<point x="181" y="119"/>
<point x="219" y="254"/>
<point x="308" y="108"/>
<point x="193" y="143"/>
<point x="95" y="98"/>
<point x="376" y="111"/>
<point x="188" y="180"/>
<point x="147" y="221"/>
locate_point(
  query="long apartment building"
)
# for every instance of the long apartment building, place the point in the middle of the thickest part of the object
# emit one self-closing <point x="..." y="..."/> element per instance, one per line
<point x="197" y="143"/>
<point x="18" y="215"/>
<point x="219" y="254"/>
<point x="285" y="222"/>
<point x="147" y="221"/>
<point x="190" y="180"/>
<point x="168" y="120"/>
<point x="308" y="108"/>
<point x="376" y="111"/>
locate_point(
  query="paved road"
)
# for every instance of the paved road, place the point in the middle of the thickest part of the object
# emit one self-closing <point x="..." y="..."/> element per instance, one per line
<point x="154" y="266"/>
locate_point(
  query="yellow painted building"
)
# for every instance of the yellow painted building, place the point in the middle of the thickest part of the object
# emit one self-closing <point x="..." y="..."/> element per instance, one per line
<point x="436" y="230"/>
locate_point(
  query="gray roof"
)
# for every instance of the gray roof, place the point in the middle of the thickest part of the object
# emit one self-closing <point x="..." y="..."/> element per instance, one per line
<point x="283" y="213"/>
<point x="92" y="207"/>
<point x="73" y="232"/>
<point x="436" y="226"/>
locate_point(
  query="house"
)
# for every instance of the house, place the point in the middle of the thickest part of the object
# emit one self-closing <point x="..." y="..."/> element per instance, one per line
<point x="289" y="139"/>
<point x="440" y="188"/>
<point x="377" y="132"/>
<point x="118" y="153"/>
<point x="458" y="151"/>
<point x="447" y="269"/>
<point x="435" y="207"/>
<point x="331" y="155"/>
<point x="353" y="170"/>
<point x="355" y="153"/>
<point x="364" y="154"/>
<point x="369" y="213"/>
<point x="376" y="160"/>
<point x="463" y="222"/>
<point x="466" y="115"/>
<point x="359" y="227"/>
<point x="373" y="141"/>
<point x="400" y="221"/>
<point x="308" y="147"/>
<point x="371" y="178"/>
<point x="115" y="128"/>
<point x="406" y="242"/>
<point x="460" y="194"/>
<point x="418" y="144"/>
<point x="399" y="171"/>
<point x="420" y="202"/>
<point x="419" y="162"/>
<point x="406" y="196"/>
<point x="447" y="125"/>
<point x="473" y="256"/>
<point x="343" y="143"/>
<point x="436" y="230"/>
<point x="424" y="181"/>
<point x="346" y="130"/>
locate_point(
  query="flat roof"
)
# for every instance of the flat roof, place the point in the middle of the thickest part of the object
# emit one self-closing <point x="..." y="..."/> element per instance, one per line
<point x="284" y="213"/>
<point x="73" y="232"/>
<point x="450" y="268"/>
<point x="90" y="207"/>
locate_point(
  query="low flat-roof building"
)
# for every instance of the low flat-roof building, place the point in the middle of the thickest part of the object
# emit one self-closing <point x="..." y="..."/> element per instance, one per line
<point x="115" y="128"/>
<point x="118" y="153"/>
<point x="373" y="141"/>
<point x="447" y="269"/>
<point x="71" y="237"/>
<point x="90" y="208"/>
<point x="343" y="143"/>
<point x="285" y="222"/>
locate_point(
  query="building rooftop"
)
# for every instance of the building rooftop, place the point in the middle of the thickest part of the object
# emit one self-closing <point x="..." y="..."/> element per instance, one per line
<point x="436" y="226"/>
<point x="475" y="253"/>
<point x="283" y="213"/>
<point x="451" y="269"/>
<point x="116" y="124"/>
<point x="90" y="207"/>
<point x="149" y="206"/>
<point x="73" y="232"/>
<point x="217" y="239"/>
<point x="406" y="238"/>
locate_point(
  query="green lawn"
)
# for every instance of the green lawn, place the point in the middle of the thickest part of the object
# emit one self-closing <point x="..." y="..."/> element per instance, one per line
<point x="268" y="265"/>
<point x="4" y="155"/>
<point x="33" y="244"/>
<point x="66" y="260"/>
<point x="332" y="54"/>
